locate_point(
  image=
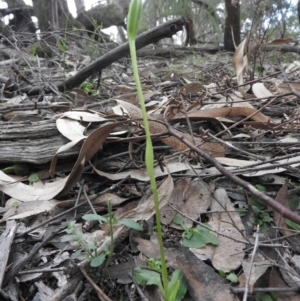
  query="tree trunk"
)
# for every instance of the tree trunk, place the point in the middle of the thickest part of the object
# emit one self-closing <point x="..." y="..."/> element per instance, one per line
<point x="121" y="34"/>
<point x="22" y="16"/>
<point x="53" y="15"/>
<point x="232" y="25"/>
<point x="80" y="7"/>
<point x="105" y="16"/>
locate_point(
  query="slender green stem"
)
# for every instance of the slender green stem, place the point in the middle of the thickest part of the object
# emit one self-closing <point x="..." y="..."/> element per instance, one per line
<point x="110" y="222"/>
<point x="150" y="167"/>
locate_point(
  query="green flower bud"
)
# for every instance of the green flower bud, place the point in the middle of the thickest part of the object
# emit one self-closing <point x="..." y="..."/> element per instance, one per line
<point x="134" y="14"/>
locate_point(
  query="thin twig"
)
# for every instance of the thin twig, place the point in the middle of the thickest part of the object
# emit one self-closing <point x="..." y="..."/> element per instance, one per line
<point x="266" y="199"/>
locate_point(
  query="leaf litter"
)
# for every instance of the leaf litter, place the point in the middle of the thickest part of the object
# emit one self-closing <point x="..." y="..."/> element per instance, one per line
<point x="252" y="130"/>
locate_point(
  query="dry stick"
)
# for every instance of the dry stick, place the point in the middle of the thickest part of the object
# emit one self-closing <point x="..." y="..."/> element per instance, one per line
<point x="101" y="295"/>
<point x="245" y="297"/>
<point x="269" y="161"/>
<point x="248" y="117"/>
<point x="230" y="145"/>
<point x="267" y="289"/>
<point x="165" y="30"/>
<point x="137" y="287"/>
<point x="266" y="199"/>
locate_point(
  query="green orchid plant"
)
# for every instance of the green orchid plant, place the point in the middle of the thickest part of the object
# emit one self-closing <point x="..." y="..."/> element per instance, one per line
<point x="168" y="290"/>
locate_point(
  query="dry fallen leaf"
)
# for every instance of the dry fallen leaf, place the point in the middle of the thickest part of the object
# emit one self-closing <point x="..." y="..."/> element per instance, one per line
<point x="191" y="197"/>
<point x="261" y="91"/>
<point x="240" y="62"/>
<point x="145" y="209"/>
<point x="281" y="41"/>
<point x="214" y="149"/>
<point x="27" y="209"/>
<point x="224" y="112"/>
<point x="142" y="175"/>
<point x="258" y="268"/>
<point x="229" y="254"/>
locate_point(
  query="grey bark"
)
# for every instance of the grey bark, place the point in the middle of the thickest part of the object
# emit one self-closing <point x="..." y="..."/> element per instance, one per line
<point x="106" y="15"/>
<point x="53" y="14"/>
<point x="21" y="21"/>
<point x="80" y="7"/>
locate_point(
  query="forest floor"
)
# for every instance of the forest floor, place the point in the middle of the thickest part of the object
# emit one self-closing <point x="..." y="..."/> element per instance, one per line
<point x="73" y="175"/>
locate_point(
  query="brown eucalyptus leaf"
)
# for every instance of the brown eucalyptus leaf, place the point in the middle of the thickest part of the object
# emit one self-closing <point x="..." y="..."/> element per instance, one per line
<point x="214" y="149"/>
<point x="192" y="89"/>
<point x="240" y="62"/>
<point x="191" y="197"/>
<point x="229" y="254"/>
<point x="224" y="112"/>
<point x="281" y="41"/>
<point x="145" y="209"/>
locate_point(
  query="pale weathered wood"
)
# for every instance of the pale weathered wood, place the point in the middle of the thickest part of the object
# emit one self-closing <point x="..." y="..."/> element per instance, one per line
<point x="31" y="142"/>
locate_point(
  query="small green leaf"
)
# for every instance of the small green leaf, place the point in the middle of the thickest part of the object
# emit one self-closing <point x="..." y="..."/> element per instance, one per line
<point x="147" y="277"/>
<point x="69" y="231"/>
<point x="255" y="210"/>
<point x="34" y="49"/>
<point x="71" y="224"/>
<point x="262" y="296"/>
<point x="33" y="178"/>
<point x="16" y="203"/>
<point x="222" y="273"/>
<point x="232" y="277"/>
<point x="77" y="253"/>
<point x="97" y="261"/>
<point x="177" y="277"/>
<point x="267" y="218"/>
<point x="154" y="264"/>
<point x="188" y="233"/>
<point x="292" y="225"/>
<point x="264" y="228"/>
<point x="293" y="202"/>
<point x="18" y="169"/>
<point x="260" y="187"/>
<point x="173" y="289"/>
<point x="78" y="236"/>
<point x="131" y="224"/>
<point x="178" y="220"/>
<point x="61" y="46"/>
<point x="94" y="217"/>
<point x="87" y="87"/>
<point x="92" y="247"/>
<point x="210" y="238"/>
<point x="256" y="203"/>
<point x="199" y="238"/>
<point x="68" y="238"/>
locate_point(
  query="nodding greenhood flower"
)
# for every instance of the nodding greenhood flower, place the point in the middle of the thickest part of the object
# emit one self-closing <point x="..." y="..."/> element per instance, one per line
<point x="135" y="9"/>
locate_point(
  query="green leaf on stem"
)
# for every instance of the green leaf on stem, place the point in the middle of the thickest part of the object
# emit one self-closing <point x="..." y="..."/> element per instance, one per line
<point x="198" y="238"/>
<point x="131" y="224"/>
<point x="97" y="261"/>
<point x="147" y="277"/>
<point x="177" y="286"/>
<point x="94" y="217"/>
